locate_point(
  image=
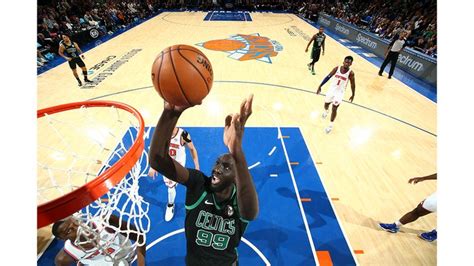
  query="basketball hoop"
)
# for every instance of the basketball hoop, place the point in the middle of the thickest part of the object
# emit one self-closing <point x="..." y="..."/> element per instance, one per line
<point x="90" y="157"/>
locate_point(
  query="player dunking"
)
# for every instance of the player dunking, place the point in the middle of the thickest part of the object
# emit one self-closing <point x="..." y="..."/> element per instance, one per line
<point x="180" y="139"/>
<point x="319" y="40"/>
<point x="71" y="51"/>
<point x="335" y="93"/>
<point x="219" y="207"/>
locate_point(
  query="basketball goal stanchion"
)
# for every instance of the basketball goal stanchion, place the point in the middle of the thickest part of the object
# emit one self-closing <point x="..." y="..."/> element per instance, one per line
<point x="86" y="138"/>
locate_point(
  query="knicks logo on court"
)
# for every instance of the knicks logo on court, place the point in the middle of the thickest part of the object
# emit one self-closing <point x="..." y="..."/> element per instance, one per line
<point x="244" y="47"/>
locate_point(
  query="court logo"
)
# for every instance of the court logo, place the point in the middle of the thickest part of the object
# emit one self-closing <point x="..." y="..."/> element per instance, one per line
<point x="244" y="47"/>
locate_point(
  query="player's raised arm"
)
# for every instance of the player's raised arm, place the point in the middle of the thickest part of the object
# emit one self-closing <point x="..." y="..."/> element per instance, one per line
<point x="247" y="198"/>
<point x="159" y="158"/>
<point x="353" y="85"/>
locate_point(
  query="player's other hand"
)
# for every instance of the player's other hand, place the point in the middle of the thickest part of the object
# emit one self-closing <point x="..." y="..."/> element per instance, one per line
<point x="152" y="173"/>
<point x="415" y="180"/>
<point x="318" y="91"/>
<point x="172" y="107"/>
<point x="235" y="124"/>
<point x="351" y="98"/>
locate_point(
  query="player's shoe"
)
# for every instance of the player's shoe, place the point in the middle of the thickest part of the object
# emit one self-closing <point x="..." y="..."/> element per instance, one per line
<point x="87" y="80"/>
<point x="390" y="77"/>
<point x="328" y="129"/>
<point x="429" y="236"/>
<point x="309" y="66"/>
<point x="312" y="72"/>
<point x="392" y="228"/>
<point x="79" y="83"/>
<point x="169" y="212"/>
<point x="324" y="115"/>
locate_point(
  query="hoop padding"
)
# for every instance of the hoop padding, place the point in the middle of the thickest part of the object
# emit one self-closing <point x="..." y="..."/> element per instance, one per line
<point x="71" y="202"/>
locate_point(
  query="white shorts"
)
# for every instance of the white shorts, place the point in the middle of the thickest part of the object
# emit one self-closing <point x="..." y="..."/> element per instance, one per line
<point x="430" y="203"/>
<point x="334" y="96"/>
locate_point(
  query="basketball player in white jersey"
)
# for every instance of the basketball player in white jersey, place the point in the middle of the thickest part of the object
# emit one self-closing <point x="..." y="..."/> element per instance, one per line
<point x="89" y="254"/>
<point x="427" y="206"/>
<point x="335" y="94"/>
<point x="180" y="139"/>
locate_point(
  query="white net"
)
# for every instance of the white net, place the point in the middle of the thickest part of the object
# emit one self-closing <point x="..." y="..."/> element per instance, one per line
<point x="76" y="146"/>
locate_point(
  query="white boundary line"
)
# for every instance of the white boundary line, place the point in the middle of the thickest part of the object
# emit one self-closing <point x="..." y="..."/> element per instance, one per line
<point x="272" y="151"/>
<point x="308" y="232"/>
<point x="332" y="206"/>
<point x="254" y="165"/>
<point x="252" y="246"/>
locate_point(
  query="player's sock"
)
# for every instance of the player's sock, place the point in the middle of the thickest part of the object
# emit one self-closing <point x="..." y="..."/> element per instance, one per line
<point x="171" y="195"/>
<point x="398" y="223"/>
<point x="85" y="76"/>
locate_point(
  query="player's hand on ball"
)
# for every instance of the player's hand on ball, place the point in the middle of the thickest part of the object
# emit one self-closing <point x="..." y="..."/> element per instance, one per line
<point x="176" y="108"/>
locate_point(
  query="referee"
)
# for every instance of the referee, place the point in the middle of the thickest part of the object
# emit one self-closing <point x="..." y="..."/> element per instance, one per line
<point x="391" y="55"/>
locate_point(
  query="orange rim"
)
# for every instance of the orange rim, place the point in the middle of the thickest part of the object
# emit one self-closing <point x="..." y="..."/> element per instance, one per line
<point x="68" y="204"/>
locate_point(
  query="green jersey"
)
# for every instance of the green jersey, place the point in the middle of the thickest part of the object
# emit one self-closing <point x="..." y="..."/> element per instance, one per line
<point x="213" y="229"/>
<point x="318" y="41"/>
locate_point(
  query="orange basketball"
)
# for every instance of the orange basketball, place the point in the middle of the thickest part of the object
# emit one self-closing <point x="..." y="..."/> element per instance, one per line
<point x="182" y="75"/>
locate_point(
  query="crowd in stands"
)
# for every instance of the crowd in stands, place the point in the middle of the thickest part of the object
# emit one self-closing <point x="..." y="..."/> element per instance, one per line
<point x="384" y="18"/>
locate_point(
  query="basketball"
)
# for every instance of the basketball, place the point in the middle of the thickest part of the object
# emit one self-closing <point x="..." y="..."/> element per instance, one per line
<point x="182" y="75"/>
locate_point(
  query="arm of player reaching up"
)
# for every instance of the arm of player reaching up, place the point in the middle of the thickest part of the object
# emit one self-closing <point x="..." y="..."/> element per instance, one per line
<point x="309" y="43"/>
<point x="141" y="249"/>
<point x="187" y="139"/>
<point x="326" y="79"/>
<point x="353" y="85"/>
<point x="247" y="198"/>
<point x="63" y="259"/>
<point x="415" y="180"/>
<point x="158" y="155"/>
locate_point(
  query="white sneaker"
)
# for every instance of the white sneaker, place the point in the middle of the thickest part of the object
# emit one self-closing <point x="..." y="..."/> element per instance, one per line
<point x="169" y="213"/>
<point x="324" y="115"/>
<point x="328" y="129"/>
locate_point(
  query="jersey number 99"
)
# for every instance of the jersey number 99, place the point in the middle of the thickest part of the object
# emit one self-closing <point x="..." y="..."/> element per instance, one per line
<point x="217" y="241"/>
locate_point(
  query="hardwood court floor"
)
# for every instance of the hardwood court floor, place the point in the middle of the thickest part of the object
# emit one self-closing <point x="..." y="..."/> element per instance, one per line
<point x="386" y="137"/>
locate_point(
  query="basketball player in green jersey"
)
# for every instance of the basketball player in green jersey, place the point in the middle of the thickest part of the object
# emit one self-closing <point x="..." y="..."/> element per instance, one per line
<point x="219" y="207"/>
<point x="71" y="51"/>
<point x="319" y="40"/>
